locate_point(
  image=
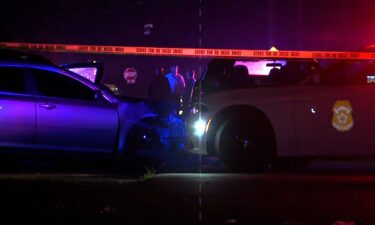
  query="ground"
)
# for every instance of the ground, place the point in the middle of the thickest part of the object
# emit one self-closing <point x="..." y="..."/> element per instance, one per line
<point x="321" y="194"/>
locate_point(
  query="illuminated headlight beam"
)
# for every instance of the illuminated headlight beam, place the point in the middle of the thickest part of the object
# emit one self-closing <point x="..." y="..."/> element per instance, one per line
<point x="199" y="127"/>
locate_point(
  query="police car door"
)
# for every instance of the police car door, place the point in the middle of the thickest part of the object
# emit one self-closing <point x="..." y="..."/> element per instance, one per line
<point x="334" y="117"/>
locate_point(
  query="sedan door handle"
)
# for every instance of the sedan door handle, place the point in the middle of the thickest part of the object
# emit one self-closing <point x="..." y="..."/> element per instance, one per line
<point x="47" y="106"/>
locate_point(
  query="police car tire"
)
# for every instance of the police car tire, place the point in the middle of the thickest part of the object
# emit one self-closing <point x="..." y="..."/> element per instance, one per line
<point x="245" y="143"/>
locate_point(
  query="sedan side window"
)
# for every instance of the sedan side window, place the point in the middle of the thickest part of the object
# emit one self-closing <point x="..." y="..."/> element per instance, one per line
<point x="12" y="80"/>
<point x="52" y="84"/>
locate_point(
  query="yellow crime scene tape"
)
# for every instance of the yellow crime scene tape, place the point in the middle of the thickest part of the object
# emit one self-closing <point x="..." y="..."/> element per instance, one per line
<point x="189" y="52"/>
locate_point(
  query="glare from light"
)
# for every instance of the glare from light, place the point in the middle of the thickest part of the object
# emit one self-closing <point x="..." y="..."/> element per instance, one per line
<point x="273" y="49"/>
<point x="195" y="110"/>
<point x="199" y="127"/>
<point x="208" y="125"/>
<point x="370" y="79"/>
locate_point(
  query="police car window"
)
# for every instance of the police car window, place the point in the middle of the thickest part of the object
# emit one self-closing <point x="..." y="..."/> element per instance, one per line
<point x="343" y="73"/>
<point x="12" y="80"/>
<point x="87" y="72"/>
<point x="260" y="68"/>
<point x="52" y="84"/>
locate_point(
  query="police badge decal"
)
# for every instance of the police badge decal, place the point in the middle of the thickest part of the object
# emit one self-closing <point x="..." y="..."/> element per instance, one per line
<point x="342" y="119"/>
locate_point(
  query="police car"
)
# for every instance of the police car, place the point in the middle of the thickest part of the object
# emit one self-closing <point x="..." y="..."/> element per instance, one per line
<point x="252" y="112"/>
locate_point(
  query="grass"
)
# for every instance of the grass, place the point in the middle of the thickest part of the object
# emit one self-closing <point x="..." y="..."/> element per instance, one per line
<point x="149" y="173"/>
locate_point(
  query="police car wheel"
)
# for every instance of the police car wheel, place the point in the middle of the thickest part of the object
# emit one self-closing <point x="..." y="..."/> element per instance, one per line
<point x="246" y="143"/>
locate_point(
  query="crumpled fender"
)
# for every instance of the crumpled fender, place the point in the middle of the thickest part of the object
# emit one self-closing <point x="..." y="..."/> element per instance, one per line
<point x="135" y="112"/>
<point x="130" y="113"/>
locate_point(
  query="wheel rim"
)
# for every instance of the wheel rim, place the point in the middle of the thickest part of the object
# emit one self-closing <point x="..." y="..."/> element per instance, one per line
<point x="241" y="146"/>
<point x="244" y="142"/>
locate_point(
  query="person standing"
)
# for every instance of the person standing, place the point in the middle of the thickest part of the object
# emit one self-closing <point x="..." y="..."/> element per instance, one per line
<point x="160" y="89"/>
<point x="190" y="80"/>
<point x="176" y="83"/>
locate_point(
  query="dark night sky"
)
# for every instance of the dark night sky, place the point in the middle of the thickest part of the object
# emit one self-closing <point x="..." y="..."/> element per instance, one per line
<point x="287" y="24"/>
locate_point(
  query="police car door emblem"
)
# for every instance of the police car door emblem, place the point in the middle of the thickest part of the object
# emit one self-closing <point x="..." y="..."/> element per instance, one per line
<point x="342" y="119"/>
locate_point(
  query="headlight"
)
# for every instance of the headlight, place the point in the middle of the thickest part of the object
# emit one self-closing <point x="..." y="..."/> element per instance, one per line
<point x="199" y="127"/>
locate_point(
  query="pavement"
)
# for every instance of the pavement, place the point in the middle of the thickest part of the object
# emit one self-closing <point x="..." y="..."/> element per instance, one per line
<point x="333" y="194"/>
